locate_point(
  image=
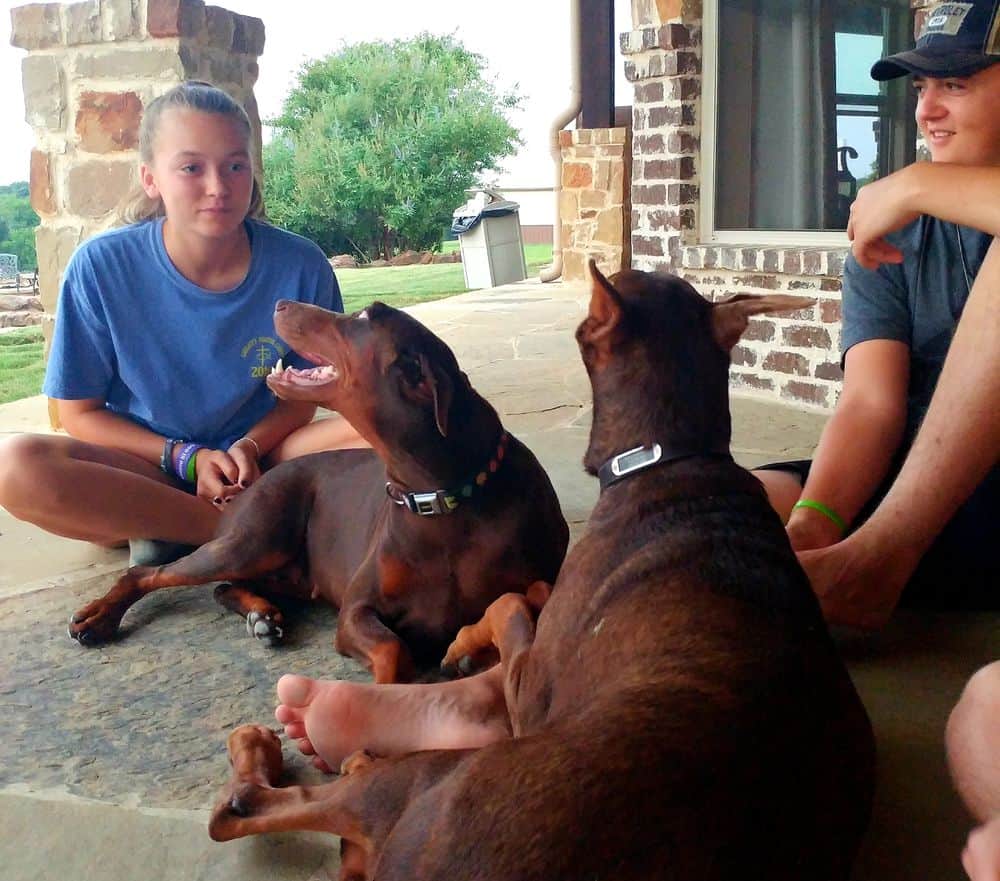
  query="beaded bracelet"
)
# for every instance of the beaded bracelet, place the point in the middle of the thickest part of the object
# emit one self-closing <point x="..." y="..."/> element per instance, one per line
<point x="167" y="456"/>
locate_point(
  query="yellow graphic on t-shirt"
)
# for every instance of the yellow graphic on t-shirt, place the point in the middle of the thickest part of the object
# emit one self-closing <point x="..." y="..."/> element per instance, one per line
<point x="263" y="353"/>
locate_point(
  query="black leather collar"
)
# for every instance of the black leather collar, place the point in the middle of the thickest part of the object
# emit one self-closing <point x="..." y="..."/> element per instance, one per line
<point x="640" y="458"/>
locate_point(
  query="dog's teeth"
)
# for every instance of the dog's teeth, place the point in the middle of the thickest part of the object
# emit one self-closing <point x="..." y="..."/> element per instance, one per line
<point x="278" y="367"/>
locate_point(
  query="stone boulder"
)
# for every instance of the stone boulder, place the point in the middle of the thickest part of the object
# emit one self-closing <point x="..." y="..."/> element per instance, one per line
<point x="343" y="261"/>
<point x="406" y="258"/>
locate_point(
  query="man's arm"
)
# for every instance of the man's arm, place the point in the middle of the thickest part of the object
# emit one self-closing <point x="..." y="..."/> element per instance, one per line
<point x="963" y="194"/>
<point x="859" y="580"/>
<point x="858" y="442"/>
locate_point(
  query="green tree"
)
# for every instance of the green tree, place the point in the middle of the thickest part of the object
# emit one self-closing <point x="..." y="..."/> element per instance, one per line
<point x="17" y="224"/>
<point x="378" y="142"/>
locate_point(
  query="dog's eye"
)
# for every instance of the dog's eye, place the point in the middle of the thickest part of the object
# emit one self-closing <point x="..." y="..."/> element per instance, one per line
<point x="410" y="368"/>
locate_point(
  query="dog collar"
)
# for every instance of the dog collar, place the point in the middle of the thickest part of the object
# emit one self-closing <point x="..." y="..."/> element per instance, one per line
<point x="444" y="501"/>
<point x="640" y="458"/>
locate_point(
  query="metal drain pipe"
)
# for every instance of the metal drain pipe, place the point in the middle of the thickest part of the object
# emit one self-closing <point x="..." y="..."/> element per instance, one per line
<point x="551" y="273"/>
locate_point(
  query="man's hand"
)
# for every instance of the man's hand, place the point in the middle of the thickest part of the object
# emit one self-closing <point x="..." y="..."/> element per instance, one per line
<point x="880" y="208"/>
<point x="857" y="585"/>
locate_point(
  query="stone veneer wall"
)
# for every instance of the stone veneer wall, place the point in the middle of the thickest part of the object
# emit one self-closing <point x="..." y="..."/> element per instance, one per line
<point x="594" y="205"/>
<point x="90" y="69"/>
<point x="794" y="356"/>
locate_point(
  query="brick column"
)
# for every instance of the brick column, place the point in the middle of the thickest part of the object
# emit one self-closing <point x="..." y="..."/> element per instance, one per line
<point x="664" y="63"/>
<point x="90" y="69"/>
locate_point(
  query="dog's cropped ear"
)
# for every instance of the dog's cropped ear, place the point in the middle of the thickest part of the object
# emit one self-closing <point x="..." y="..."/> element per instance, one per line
<point x="605" y="307"/>
<point x="730" y="317"/>
<point x="437" y="387"/>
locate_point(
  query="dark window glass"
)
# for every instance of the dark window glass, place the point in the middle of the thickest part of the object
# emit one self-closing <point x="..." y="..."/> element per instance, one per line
<point x="800" y="123"/>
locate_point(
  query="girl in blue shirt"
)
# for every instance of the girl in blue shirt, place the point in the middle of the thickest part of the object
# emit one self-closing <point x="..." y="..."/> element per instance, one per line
<point x="163" y="340"/>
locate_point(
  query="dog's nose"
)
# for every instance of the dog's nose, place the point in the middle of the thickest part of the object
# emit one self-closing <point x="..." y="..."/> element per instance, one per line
<point x="281" y="306"/>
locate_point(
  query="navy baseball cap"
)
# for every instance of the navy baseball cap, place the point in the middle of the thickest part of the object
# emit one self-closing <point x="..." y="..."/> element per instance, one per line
<point x="957" y="39"/>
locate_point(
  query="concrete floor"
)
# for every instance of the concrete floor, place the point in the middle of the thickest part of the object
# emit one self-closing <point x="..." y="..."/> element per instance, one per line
<point x="111" y="756"/>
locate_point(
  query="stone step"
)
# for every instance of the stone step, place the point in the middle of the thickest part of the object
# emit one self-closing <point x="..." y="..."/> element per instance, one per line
<point x="26" y="301"/>
<point x="21" y="318"/>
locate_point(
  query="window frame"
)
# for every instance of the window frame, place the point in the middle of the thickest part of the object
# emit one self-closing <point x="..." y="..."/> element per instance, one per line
<point x="707" y="233"/>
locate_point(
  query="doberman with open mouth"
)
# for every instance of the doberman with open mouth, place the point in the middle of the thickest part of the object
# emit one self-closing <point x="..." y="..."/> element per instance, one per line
<point x="411" y="539"/>
<point x="679" y="711"/>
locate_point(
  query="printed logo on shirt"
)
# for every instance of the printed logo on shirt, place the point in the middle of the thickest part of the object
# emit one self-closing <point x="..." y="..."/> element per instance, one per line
<point x="945" y="18"/>
<point x="263" y="353"/>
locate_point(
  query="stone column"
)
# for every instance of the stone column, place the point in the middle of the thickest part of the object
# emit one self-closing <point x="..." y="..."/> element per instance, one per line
<point x="594" y="207"/>
<point x="91" y="68"/>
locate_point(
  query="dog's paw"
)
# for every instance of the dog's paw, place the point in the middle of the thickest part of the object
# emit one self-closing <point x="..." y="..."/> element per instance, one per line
<point x="357" y="760"/>
<point x="265" y="627"/>
<point x="94" y="624"/>
<point x="463" y="666"/>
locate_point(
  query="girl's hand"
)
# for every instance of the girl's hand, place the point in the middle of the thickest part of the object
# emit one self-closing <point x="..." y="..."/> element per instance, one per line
<point x="879" y="209"/>
<point x="245" y="452"/>
<point x="218" y="477"/>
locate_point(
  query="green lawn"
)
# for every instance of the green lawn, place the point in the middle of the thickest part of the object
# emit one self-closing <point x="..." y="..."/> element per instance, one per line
<point x="21" y="365"/>
<point x="405" y="285"/>
<point x="22" y="368"/>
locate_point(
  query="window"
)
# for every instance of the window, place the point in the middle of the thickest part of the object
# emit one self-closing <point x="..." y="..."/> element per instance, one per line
<point x="793" y="123"/>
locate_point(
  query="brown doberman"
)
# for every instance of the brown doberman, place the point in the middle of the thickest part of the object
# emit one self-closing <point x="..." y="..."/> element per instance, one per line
<point x="679" y="709"/>
<point x="411" y="539"/>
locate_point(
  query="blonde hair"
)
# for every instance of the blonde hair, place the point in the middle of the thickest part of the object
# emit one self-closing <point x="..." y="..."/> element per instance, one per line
<point x="191" y="95"/>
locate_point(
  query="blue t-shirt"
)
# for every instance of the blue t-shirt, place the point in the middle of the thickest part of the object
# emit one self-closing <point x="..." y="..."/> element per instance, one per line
<point x="180" y="360"/>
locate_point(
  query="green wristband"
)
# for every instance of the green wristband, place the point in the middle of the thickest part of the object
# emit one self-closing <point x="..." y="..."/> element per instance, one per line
<point x="826" y="511"/>
<point x="192" y="471"/>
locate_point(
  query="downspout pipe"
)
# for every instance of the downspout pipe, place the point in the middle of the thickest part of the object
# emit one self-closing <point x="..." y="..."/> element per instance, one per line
<point x="551" y="273"/>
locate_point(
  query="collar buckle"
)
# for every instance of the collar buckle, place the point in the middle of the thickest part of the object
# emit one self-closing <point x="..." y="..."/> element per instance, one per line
<point x="428" y="503"/>
<point x="635" y="460"/>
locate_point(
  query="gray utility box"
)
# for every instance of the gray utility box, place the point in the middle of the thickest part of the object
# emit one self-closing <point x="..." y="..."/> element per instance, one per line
<point x="492" y="249"/>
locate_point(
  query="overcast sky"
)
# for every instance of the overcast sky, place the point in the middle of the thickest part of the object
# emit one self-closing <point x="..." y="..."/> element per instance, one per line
<point x="524" y="42"/>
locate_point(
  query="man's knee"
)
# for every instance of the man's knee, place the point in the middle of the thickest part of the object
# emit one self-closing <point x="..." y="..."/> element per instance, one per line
<point x="972" y="739"/>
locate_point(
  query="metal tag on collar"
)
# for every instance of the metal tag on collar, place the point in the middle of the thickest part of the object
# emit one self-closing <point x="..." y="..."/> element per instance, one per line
<point x="426" y="504"/>
<point x="635" y="460"/>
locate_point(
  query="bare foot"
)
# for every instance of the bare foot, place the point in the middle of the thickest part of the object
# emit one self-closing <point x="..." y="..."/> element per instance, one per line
<point x="331" y="719"/>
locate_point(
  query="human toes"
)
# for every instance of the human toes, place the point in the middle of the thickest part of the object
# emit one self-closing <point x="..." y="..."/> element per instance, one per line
<point x="294" y="729"/>
<point x="296" y="692"/>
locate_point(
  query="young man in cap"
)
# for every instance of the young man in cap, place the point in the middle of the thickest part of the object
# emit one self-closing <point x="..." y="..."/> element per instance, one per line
<point x="923" y="283"/>
<point x="922" y="247"/>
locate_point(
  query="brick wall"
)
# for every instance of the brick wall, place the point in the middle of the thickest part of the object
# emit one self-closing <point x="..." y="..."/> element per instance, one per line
<point x="90" y="69"/>
<point x="594" y="199"/>
<point x="795" y="357"/>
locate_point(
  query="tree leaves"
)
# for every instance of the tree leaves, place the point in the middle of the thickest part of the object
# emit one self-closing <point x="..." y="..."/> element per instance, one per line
<point x="378" y="142"/>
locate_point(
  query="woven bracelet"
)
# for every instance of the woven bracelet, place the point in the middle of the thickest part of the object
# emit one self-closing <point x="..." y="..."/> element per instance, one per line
<point x="167" y="456"/>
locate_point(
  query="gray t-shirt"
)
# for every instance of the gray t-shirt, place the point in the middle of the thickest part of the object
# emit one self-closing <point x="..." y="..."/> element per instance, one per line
<point x="917" y="302"/>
